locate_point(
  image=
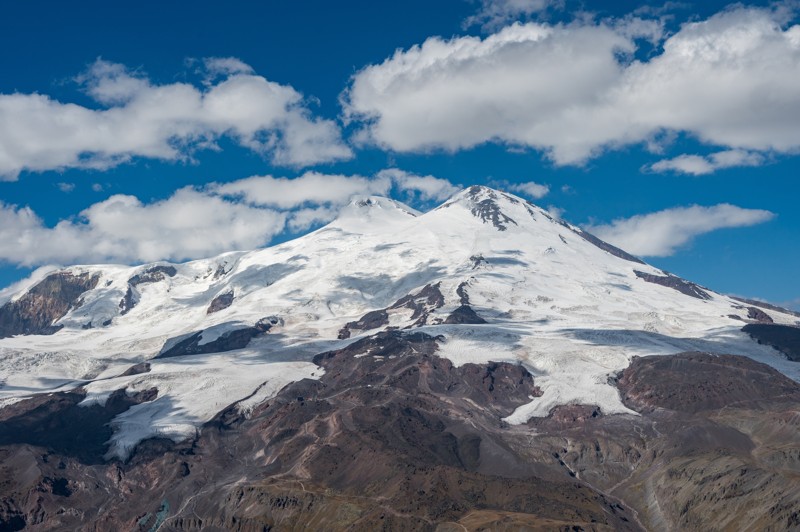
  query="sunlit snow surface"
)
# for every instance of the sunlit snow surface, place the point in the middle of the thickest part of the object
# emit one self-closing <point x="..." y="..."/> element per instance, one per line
<point x="571" y="312"/>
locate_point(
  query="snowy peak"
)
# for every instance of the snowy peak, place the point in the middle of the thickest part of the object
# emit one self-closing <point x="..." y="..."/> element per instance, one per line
<point x="501" y="210"/>
<point x="490" y="276"/>
<point x="370" y="214"/>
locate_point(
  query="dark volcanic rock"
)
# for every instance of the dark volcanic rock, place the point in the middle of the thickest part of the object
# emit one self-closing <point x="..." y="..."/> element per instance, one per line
<point x="153" y="274"/>
<point x="137" y="369"/>
<point x="44" y="304"/>
<point x="422" y="303"/>
<point x="755" y="313"/>
<point x="128" y="301"/>
<point x="676" y="283"/>
<point x="394" y="438"/>
<point x="56" y="422"/>
<point x="694" y="382"/>
<point x="228" y="341"/>
<point x="370" y="320"/>
<point x="461" y="291"/>
<point x="784" y="338"/>
<point x="464" y="314"/>
<point x="487" y="210"/>
<point x="765" y="305"/>
<point x="220" y="302"/>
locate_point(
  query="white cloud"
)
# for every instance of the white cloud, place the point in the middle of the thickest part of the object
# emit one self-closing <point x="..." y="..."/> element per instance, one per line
<point x="197" y="222"/>
<point x="661" y="233"/>
<point x="189" y="224"/>
<point x="328" y="189"/>
<point x="426" y="188"/>
<point x="530" y="189"/>
<point x="555" y="212"/>
<point x="573" y="91"/>
<point x="65" y="187"/>
<point x="311" y="187"/>
<point x="702" y="165"/>
<point x="496" y="13"/>
<point x="138" y="118"/>
<point x="224" y="66"/>
<point x="304" y="219"/>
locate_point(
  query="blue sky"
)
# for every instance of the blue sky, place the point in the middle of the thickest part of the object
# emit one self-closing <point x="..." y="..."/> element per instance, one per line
<point x="176" y="130"/>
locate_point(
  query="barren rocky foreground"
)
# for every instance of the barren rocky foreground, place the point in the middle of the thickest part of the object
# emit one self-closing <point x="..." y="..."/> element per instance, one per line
<point x="393" y="437"/>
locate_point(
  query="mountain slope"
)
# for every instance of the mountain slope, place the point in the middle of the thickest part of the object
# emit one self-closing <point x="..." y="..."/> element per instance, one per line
<point x="572" y="309"/>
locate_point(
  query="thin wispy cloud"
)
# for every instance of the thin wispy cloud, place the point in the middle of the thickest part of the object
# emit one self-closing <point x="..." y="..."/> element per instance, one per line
<point x="707" y="164"/>
<point x="493" y="14"/>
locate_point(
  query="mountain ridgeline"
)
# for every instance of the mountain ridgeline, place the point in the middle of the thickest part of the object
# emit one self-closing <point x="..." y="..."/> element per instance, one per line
<point x="482" y="365"/>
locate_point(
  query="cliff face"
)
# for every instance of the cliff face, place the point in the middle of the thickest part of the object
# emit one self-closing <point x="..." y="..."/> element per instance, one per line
<point x="44" y="304"/>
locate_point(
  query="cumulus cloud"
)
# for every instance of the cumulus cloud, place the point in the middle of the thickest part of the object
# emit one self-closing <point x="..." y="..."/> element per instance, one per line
<point x="530" y="189"/>
<point x="661" y="233"/>
<point x="707" y="164"/>
<point x="574" y="91"/>
<point x="188" y="224"/>
<point x="496" y="13"/>
<point x="317" y="188"/>
<point x="197" y="222"/>
<point x="424" y="188"/>
<point x="137" y="118"/>
<point x="311" y="187"/>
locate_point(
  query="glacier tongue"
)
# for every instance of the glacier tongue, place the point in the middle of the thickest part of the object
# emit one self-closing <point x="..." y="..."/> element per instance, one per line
<point x="571" y="308"/>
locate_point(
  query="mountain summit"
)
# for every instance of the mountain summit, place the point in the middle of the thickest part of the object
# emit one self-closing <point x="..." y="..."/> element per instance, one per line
<point x="565" y="304"/>
<point x="485" y="280"/>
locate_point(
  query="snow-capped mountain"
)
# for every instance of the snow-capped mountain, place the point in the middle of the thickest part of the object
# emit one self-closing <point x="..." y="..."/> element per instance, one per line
<point x="491" y="276"/>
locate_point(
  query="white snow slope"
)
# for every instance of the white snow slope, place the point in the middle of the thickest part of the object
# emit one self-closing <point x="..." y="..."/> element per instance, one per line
<point x="568" y="310"/>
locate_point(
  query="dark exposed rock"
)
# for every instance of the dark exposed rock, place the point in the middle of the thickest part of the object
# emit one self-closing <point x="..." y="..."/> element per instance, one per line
<point x="569" y="415"/>
<point x="137" y="369"/>
<point x="12" y="521"/>
<point x="676" y="283"/>
<point x="370" y="320"/>
<point x="393" y="437"/>
<point x="487" y="209"/>
<point x="153" y="274"/>
<point x="694" y="382"/>
<point x="765" y="305"/>
<point x="56" y="422"/>
<point x="477" y="261"/>
<point x="220" y="272"/>
<point x="755" y="313"/>
<point x="227" y="341"/>
<point x="44" y="304"/>
<point x="784" y="338"/>
<point x="220" y="302"/>
<point x="422" y="303"/>
<point x="266" y="324"/>
<point x="427" y="299"/>
<point x="461" y="291"/>
<point x="464" y="314"/>
<point x="128" y="301"/>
